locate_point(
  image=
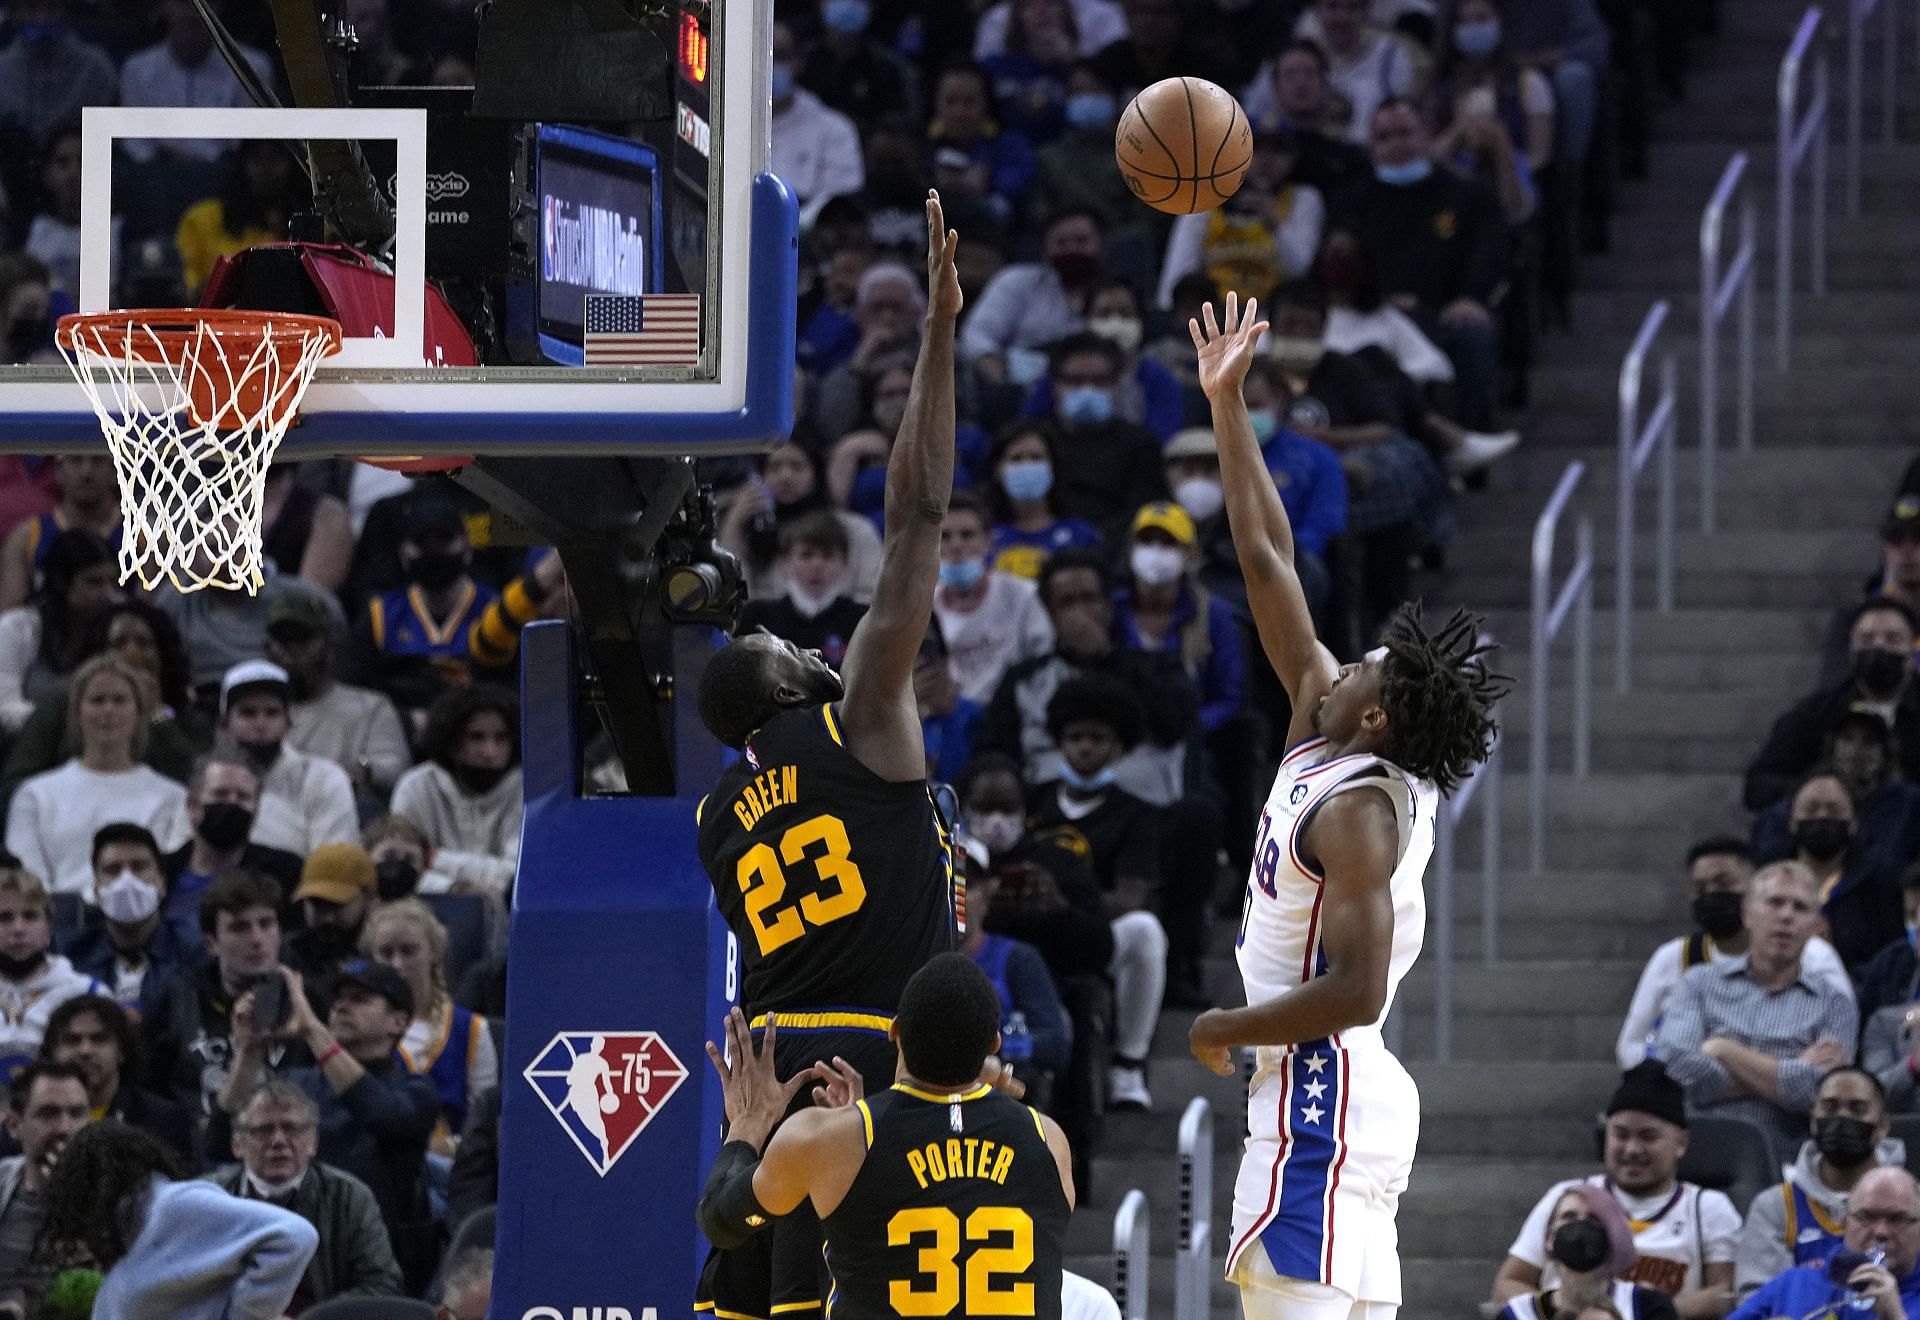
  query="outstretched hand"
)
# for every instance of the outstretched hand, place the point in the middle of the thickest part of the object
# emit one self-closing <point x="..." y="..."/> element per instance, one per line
<point x="1226" y="347"/>
<point x="944" y="298"/>
<point x="756" y="1099"/>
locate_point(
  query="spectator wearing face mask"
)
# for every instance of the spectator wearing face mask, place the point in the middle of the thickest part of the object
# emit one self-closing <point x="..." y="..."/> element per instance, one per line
<point x="1028" y="306"/>
<point x="124" y="942"/>
<point x="1437" y="244"/>
<point x="305" y="801"/>
<point x="1890" y="1008"/>
<point x="1192" y="463"/>
<point x="1105" y="467"/>
<point x="223" y="799"/>
<point x="1094" y="721"/>
<point x="335" y="897"/>
<point x="1496" y="116"/>
<point x="1718" y="871"/>
<point x="1861" y="754"/>
<point x="33" y="980"/>
<point x="1264" y="234"/>
<point x="1750" y="1037"/>
<point x="1799" y="1221"/>
<point x="444" y="628"/>
<point x="356" y="728"/>
<point x="1683" y="1234"/>
<point x="1590" y="1243"/>
<point x="1074" y="170"/>
<point x="1880" y="679"/>
<point x="1898" y="580"/>
<point x="400" y="853"/>
<point x="1160" y="607"/>
<point x="1873" y="1274"/>
<point x="789" y="487"/>
<point x="815" y="613"/>
<point x="1312" y="484"/>
<point x="949" y="722"/>
<point x="990" y="620"/>
<point x="1030" y="1006"/>
<point x="1146" y="392"/>
<point x="816" y="149"/>
<point x="52" y="818"/>
<point x="1859" y="894"/>
<point x="850" y="71"/>
<point x="465" y="795"/>
<point x="1027" y="524"/>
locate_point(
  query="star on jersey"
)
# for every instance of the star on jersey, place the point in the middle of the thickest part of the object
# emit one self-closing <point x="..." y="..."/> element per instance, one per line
<point x="1313" y="1113"/>
<point x="1314" y="1089"/>
<point x="1315" y="1062"/>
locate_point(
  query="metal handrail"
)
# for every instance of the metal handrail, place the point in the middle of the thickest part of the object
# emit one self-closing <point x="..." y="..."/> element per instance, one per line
<point x="1800" y="137"/>
<point x="1718" y="291"/>
<point x="1549" y="613"/>
<point x="1858" y="12"/>
<point x="1452" y="812"/>
<point x="1638" y="442"/>
<point x="1193" y="1257"/>
<point x="1130" y="1259"/>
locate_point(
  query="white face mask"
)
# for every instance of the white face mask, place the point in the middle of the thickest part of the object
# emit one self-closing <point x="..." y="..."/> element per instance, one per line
<point x="127" y="899"/>
<point x="810" y="605"/>
<point x="267" y="1191"/>
<point x="1201" y="497"/>
<point x="1157" y="565"/>
<point x="1122" y="331"/>
<point x="999" y="830"/>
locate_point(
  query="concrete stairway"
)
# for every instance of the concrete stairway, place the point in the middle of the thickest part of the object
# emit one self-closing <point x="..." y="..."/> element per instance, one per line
<point x="1533" y="1056"/>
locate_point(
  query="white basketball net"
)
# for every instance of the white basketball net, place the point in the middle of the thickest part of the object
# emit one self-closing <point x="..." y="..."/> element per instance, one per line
<point x="193" y="478"/>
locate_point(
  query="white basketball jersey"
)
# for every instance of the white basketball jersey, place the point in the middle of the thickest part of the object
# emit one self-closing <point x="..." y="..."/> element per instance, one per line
<point x="1279" y="944"/>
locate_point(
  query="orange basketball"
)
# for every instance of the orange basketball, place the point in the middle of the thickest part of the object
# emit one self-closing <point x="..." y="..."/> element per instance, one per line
<point x="1183" y="145"/>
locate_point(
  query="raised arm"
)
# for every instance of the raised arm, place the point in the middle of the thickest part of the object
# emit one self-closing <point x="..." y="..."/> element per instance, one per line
<point x="1262" y="536"/>
<point x="878" y="713"/>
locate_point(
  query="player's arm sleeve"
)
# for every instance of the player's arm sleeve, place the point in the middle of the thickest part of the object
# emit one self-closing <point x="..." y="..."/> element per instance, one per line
<point x="729" y="1213"/>
<point x="1760" y="1251"/>
<point x="1655" y="985"/>
<point x="1682" y="1032"/>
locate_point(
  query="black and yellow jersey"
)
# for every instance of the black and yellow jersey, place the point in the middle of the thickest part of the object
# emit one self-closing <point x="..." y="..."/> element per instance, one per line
<point x="957" y="1211"/>
<point x="838" y="884"/>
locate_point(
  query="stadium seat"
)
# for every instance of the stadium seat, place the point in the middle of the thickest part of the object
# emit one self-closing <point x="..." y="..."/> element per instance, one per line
<point x="465" y="917"/>
<point x="1729" y="1155"/>
<point x="370" y="1308"/>
<point x="476" y="1230"/>
<point x="1907" y="1128"/>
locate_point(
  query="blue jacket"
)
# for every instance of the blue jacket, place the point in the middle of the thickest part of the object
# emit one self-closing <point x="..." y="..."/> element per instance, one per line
<point x="1313" y="488"/>
<point x="949" y="738"/>
<point x="169" y="952"/>
<point x="1804" y="1289"/>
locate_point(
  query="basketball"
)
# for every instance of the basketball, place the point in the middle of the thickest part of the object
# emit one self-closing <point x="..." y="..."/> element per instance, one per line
<point x="1183" y="145"/>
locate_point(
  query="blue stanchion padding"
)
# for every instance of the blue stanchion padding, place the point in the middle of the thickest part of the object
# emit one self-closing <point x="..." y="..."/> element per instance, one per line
<point x="621" y="969"/>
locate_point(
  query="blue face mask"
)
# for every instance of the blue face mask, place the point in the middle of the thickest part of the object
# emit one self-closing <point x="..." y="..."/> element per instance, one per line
<point x="1399" y="176"/>
<point x="1090" y="110"/>
<point x="962" y="575"/>
<point x="1477" y="38"/>
<point x="1265" y="423"/>
<point x="782" y="82"/>
<point x="1092" y="783"/>
<point x="1086" y="405"/>
<point x="846" y="15"/>
<point x="1028" y="481"/>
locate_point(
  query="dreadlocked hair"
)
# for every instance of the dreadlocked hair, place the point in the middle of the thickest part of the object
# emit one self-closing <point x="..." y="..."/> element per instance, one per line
<point x="96" y="1197"/>
<point x="1439" y="695"/>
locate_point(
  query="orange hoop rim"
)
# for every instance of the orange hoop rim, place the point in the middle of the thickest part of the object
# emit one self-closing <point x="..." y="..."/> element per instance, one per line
<point x="174" y="329"/>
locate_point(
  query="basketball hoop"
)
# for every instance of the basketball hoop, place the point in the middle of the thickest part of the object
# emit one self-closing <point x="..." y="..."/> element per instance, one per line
<point x="194" y="402"/>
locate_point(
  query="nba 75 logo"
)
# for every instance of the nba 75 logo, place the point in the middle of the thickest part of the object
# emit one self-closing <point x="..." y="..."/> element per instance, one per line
<point x="604" y="1086"/>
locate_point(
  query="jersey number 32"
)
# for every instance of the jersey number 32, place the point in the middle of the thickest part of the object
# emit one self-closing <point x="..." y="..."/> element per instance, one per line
<point x="1001" y="1242"/>
<point x="838" y="890"/>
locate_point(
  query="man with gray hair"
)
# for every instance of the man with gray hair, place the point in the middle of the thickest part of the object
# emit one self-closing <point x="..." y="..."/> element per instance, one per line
<point x="1877" y="1265"/>
<point x="1751" y="1036"/>
<point x="275" y="1138"/>
<point x="468" y="1289"/>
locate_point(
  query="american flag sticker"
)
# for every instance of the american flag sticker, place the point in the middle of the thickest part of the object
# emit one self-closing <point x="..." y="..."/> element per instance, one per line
<point x="651" y="330"/>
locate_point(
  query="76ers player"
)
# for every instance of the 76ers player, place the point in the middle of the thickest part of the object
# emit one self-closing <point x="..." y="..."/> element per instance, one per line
<point x="1334" y="912"/>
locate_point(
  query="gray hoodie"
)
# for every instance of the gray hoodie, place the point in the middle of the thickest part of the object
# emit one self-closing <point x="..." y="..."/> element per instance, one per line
<point x="1764" y="1250"/>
